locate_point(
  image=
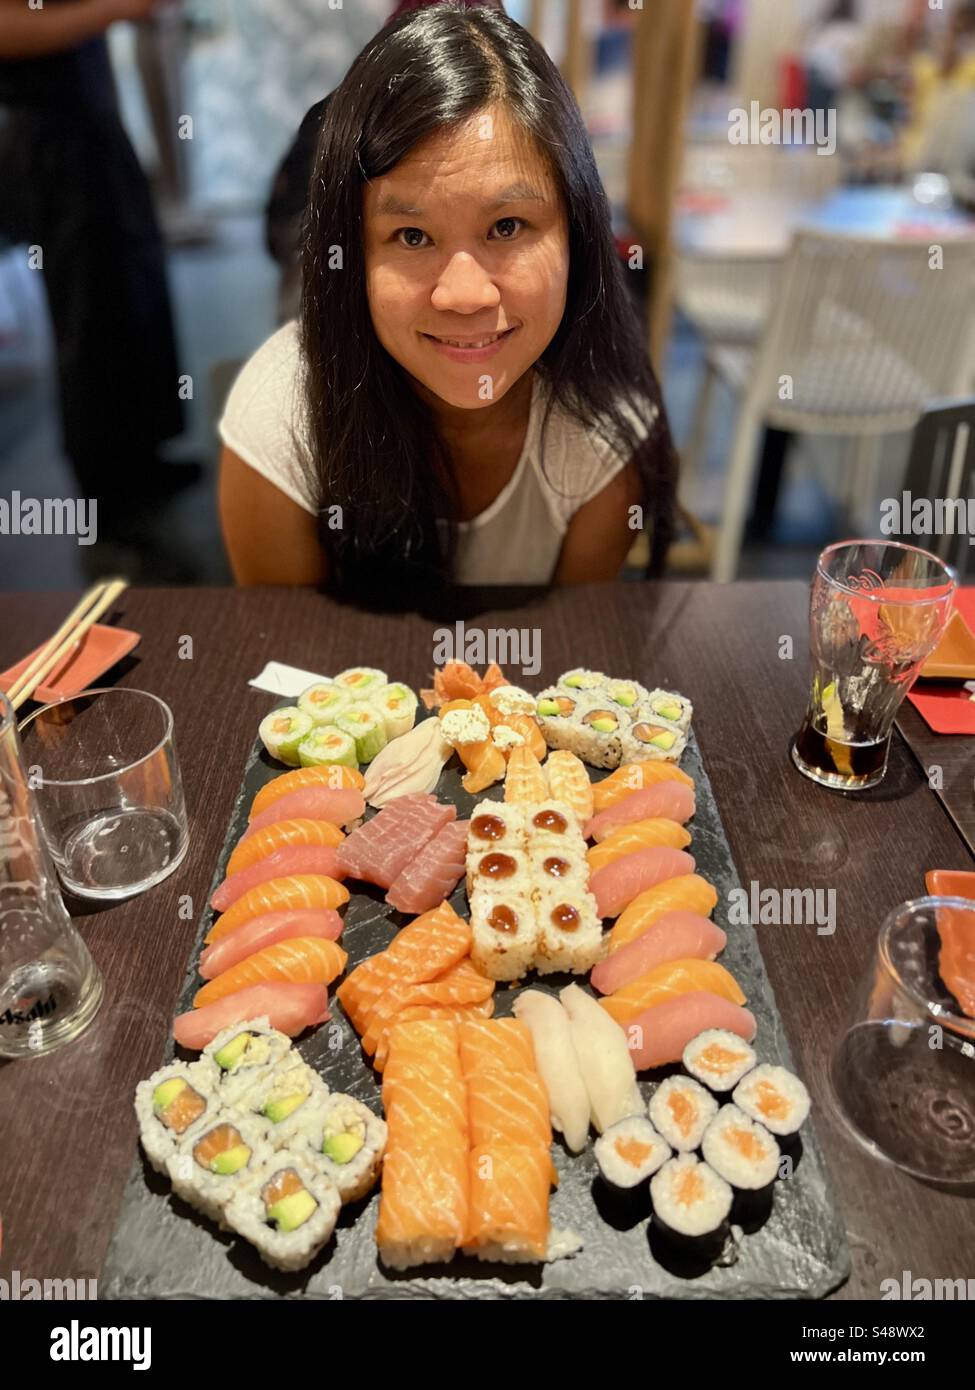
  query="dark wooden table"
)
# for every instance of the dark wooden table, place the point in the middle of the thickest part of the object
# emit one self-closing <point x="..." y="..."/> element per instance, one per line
<point x="68" y="1130"/>
<point x="948" y="762"/>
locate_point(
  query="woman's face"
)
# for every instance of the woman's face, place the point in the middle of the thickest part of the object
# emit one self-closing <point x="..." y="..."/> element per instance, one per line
<point x="466" y="239"/>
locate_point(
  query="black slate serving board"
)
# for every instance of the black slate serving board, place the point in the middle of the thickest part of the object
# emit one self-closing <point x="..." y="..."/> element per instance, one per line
<point x="163" y="1249"/>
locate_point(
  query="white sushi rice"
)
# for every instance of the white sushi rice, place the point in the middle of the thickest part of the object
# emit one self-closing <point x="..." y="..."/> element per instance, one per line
<point x="158" y="1140"/>
<point x="513" y="819"/>
<point x="655" y="701"/>
<point x="340" y="1115"/>
<point x="740" y="1150"/>
<point x="718" y="1058"/>
<point x="582" y="678"/>
<point x="247" y="1214"/>
<point x="207" y="1191"/>
<point x="775" y="1097"/>
<point x="266" y="1047"/>
<point x="287" y="1079"/>
<point x="500" y="954"/>
<point x="689" y="1197"/>
<point x="681" y="1109"/>
<point x="630" y="1152"/>
<point x="558" y="947"/>
<point x="483" y="866"/>
<point x="625" y="694"/>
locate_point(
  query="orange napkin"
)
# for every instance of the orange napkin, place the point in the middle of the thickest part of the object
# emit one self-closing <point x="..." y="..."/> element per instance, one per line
<point x="945" y="707"/>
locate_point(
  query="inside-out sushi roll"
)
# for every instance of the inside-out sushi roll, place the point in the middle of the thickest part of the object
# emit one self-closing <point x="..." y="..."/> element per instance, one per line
<point x="627" y="694"/>
<point x="215" y="1160"/>
<point x="551" y="825"/>
<point x="170" y="1103"/>
<point x="583" y="679"/>
<point x="570" y="930"/>
<point x="681" y="1109"/>
<point x="397" y="705"/>
<point x="364" y="723"/>
<point x="346" y="1142"/>
<point x="556" y="710"/>
<point x="323" y="702"/>
<point x="505" y="931"/>
<point x="282" y="732"/>
<point x="327" y="746"/>
<point x="718" y="1058"/>
<point x="669" y="706"/>
<point x="496" y="825"/>
<point x="287" y="1212"/>
<point x="689" y="1198"/>
<point x="361" y="680"/>
<point x="630" y="1152"/>
<point x="284" y="1096"/>
<point x="600" y="727"/>
<point x="245" y="1053"/>
<point x="651" y="738"/>
<point x="740" y="1150"/>
<point x="773" y="1096"/>
<point x="555" y="866"/>
<point x="507" y="869"/>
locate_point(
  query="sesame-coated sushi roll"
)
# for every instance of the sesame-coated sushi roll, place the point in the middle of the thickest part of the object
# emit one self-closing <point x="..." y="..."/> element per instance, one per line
<point x="558" y="868"/>
<point x="689" y="1198"/>
<point x="718" y="1058"/>
<point x="361" y="680"/>
<point x="170" y="1103"/>
<point x="366" y="725"/>
<point x="282" y="732"/>
<point x="505" y="933"/>
<point x="496" y="825"/>
<point x="739" y="1150"/>
<point x="287" y="1212"/>
<point x="630" y="1152"/>
<point x="651" y="738"/>
<point x="599" y="730"/>
<point x="570" y="932"/>
<point x="346" y="1142"/>
<point x="556" y="711"/>
<point x="583" y="679"/>
<point x="284" y="1097"/>
<point x="245" y="1054"/>
<point x="681" y="1109"/>
<point x="627" y="694"/>
<point x="669" y="706"/>
<point x="323" y="702"/>
<point x="397" y="706"/>
<point x="505" y="869"/>
<point x="327" y="746"/>
<point x="774" y="1097"/>
<point x="551" y="825"/>
<point x="215" y="1160"/>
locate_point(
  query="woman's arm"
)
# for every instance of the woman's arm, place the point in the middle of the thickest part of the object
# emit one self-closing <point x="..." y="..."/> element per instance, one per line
<point x="268" y="538"/>
<point x="599" y="535"/>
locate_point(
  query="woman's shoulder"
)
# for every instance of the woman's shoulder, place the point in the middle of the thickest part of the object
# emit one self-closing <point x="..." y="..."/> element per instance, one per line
<point x="263" y="418"/>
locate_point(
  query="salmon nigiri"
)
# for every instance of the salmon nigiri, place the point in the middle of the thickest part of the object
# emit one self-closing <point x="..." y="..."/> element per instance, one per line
<point x="524" y="781"/>
<point x="671" y="978"/>
<point x="569" y="781"/>
<point x="267" y="930"/>
<point x="634" y="777"/>
<point x="263" y="843"/>
<point x="508" y="1107"/>
<point x="642" y="834"/>
<point x="292" y="859"/>
<point x="674" y="936"/>
<point x="280" y="895"/>
<point x="333" y="777"/>
<point x="310" y="803"/>
<point x="289" y="1008"/>
<point x="615" y="885"/>
<point x="670" y="800"/>
<point x="689" y="893"/>
<point x="302" y="960"/>
<point x="659" y="1036"/>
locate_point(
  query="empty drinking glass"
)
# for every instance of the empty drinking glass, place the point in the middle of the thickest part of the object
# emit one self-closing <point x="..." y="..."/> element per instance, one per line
<point x="108" y="790"/>
<point x="50" y="988"/>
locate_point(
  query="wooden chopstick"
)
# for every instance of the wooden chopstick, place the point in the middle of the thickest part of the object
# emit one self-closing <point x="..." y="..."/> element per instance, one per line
<point x="49" y="659"/>
<point x="75" y="616"/>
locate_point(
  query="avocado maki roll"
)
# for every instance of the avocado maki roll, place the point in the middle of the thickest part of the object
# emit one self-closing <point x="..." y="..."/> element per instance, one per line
<point x="555" y="710"/>
<point x="214" y="1161"/>
<point x="397" y="707"/>
<point x="323" y="701"/>
<point x="282" y="731"/>
<point x="172" y="1102"/>
<point x="346" y="1143"/>
<point x="627" y="694"/>
<point x="361" y="680"/>
<point x="583" y="679"/>
<point x="327" y="746"/>
<point x="364" y="723"/>
<point x="285" y="1097"/>
<point x="669" y="706"/>
<point x="245" y="1054"/>
<point x="287" y="1212"/>
<point x="650" y="738"/>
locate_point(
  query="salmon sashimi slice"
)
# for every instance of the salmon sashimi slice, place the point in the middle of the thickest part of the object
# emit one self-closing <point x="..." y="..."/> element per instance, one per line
<point x="302" y="960"/>
<point x="671" y="978"/>
<point x="289" y="1008"/>
<point x="289" y="860"/>
<point x="379" y="850"/>
<point x="508" y="1108"/>
<point x="334" y="778"/>
<point x="280" y="895"/>
<point x="525" y="780"/>
<point x="283" y="832"/>
<point x="689" y="893"/>
<point x="423" y="1086"/>
<point x="663" y="801"/>
<point x="425" y="1202"/>
<point x="642" y="834"/>
<point x="569" y="781"/>
<point x="674" y="936"/>
<point x="456" y="1013"/>
<point x="616" y="885"/>
<point x="509" y="1189"/>
<point x="484" y="762"/>
<point x="956" y="960"/>
<point x="266" y="930"/>
<point x="502" y="1043"/>
<point x="434" y="873"/>
<point x="658" y="1036"/>
<point x="530" y="730"/>
<point x="634" y="777"/>
<point x="462" y="984"/>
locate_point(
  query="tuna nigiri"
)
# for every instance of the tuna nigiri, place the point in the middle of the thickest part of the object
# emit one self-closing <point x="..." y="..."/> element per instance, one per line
<point x="689" y="893"/>
<point x="300" y="960"/>
<point x="253" y="848"/>
<point x="288" y="1008"/>
<point x="301" y="779"/>
<point x="659" y="1036"/>
<point x="557" y="1064"/>
<point x="634" y="777"/>
<point x="341" y="807"/>
<point x="604" y="1060"/>
<point x="267" y="930"/>
<point x="292" y="859"/>
<point x="674" y="936"/>
<point x="642" y="834"/>
<point x="673" y="977"/>
<point x="280" y="895"/>
<point x="616" y="885"/>
<point x="665" y="800"/>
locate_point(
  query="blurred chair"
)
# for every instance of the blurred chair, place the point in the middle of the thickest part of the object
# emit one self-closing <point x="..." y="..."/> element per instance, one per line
<point x="942" y="467"/>
<point x="862" y="335"/>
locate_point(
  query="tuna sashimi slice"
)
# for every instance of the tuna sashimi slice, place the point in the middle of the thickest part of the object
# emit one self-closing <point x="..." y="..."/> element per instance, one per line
<point x="266" y="930"/>
<point x="379" y="850"/>
<point x="659" y="1035"/>
<point x="289" y="1008"/>
<point x="615" y="886"/>
<point x="674" y="936"/>
<point x="291" y="859"/>
<point x="434" y="873"/>
<point x="665" y="800"/>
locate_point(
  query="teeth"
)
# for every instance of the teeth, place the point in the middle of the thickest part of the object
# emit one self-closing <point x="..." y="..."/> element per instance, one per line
<point x="479" y="343"/>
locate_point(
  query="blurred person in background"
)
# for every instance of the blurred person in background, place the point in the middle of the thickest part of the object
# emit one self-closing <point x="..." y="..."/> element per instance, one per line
<point x="73" y="186"/>
<point x="940" y="137"/>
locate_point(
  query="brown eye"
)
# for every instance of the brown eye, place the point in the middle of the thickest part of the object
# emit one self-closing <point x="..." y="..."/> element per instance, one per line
<point x="410" y="232"/>
<point x="509" y="226"/>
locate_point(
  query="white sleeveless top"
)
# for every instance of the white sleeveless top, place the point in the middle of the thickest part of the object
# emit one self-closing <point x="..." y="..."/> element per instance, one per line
<point x="516" y="540"/>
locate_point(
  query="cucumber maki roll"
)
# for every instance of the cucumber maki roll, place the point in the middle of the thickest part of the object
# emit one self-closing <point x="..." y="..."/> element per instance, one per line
<point x="326" y="747"/>
<point x="361" y="680"/>
<point x="287" y="1212"/>
<point x="323" y="701"/>
<point x="364" y="723"/>
<point x="283" y="730"/>
<point x="172" y="1102"/>
<point x="397" y="706"/>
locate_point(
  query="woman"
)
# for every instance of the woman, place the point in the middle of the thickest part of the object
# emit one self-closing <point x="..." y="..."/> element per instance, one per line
<point x="466" y="399"/>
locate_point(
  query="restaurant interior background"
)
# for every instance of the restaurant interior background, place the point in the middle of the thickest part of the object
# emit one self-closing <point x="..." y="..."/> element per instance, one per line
<point x="727" y="234"/>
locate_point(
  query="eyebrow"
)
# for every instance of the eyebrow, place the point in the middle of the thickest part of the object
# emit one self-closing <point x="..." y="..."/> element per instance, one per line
<point x="391" y="206"/>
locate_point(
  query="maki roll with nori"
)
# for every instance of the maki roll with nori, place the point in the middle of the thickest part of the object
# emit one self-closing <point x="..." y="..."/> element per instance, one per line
<point x="282" y="732"/>
<point x="681" y="1110"/>
<point x="718" y="1058"/>
<point x="740" y="1150"/>
<point x="172" y="1102"/>
<point x="774" y="1097"/>
<point x="328" y="746"/>
<point x="364" y="723"/>
<point x="287" y="1212"/>
<point x="690" y="1200"/>
<point x="361" y="680"/>
<point x="323" y="701"/>
<point x="630" y="1152"/>
<point x="213" y="1161"/>
<point x="397" y="705"/>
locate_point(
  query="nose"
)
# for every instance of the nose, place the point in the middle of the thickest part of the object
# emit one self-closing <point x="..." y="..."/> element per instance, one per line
<point x="464" y="286"/>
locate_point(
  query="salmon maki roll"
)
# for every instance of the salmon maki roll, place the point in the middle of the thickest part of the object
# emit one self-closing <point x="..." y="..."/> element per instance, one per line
<point x="301" y="960"/>
<point x="503" y="1043"/>
<point x="524" y="781"/>
<point x="280" y="835"/>
<point x="509" y="1188"/>
<point x="568" y="781"/>
<point x="508" y="1107"/>
<point x="290" y="893"/>
<point x="642" y="834"/>
<point x="634" y="777"/>
<point x="334" y="778"/>
<point x="688" y="893"/>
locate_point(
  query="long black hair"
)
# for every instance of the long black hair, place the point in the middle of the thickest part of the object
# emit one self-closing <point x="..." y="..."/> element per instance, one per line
<point x="375" y="447"/>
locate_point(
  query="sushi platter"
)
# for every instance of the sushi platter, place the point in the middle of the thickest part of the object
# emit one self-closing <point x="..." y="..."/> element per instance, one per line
<point x="296" y="1131"/>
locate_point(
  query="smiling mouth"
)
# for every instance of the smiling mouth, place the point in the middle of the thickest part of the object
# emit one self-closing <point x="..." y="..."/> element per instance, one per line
<point x="485" y="340"/>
